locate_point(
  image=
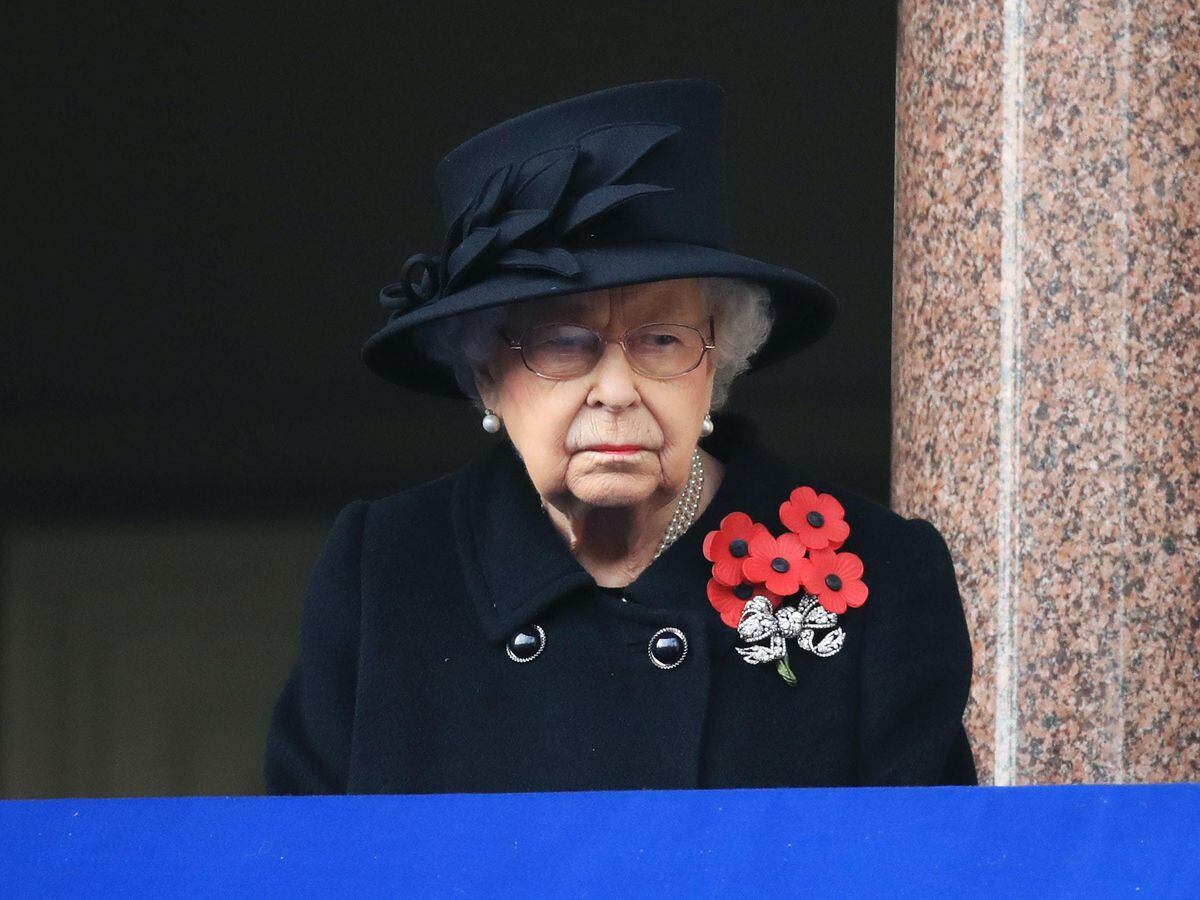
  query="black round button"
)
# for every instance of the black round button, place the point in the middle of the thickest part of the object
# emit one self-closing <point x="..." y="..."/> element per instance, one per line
<point x="667" y="648"/>
<point x="525" y="645"/>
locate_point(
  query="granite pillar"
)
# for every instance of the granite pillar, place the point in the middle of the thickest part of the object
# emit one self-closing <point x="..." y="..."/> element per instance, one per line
<point x="1046" y="368"/>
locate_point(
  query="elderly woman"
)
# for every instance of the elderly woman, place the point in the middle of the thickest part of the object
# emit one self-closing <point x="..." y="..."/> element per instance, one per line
<point x="629" y="590"/>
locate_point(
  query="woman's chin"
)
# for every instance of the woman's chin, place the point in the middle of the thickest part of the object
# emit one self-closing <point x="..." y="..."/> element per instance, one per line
<point x="613" y="490"/>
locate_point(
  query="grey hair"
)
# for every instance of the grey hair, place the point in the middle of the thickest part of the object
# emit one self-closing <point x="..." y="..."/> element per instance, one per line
<point x="742" y="318"/>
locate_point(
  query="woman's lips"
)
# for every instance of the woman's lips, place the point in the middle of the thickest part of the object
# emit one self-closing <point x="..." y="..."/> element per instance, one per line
<point x="616" y="448"/>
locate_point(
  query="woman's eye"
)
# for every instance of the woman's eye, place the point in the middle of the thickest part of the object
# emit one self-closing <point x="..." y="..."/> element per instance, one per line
<point x="563" y="341"/>
<point x="657" y="340"/>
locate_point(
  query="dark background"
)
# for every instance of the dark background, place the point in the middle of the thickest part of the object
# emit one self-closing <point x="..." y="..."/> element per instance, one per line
<point x="208" y="198"/>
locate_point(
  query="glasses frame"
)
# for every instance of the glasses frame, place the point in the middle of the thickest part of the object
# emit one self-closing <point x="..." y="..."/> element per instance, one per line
<point x="709" y="344"/>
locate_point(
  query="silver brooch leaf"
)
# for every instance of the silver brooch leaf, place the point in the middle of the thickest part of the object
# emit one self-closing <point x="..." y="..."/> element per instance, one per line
<point x="759" y="622"/>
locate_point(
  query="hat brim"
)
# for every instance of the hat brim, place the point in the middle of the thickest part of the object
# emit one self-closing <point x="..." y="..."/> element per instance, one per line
<point x="804" y="309"/>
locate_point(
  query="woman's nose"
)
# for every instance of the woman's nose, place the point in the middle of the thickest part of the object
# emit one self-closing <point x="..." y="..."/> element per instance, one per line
<point x="613" y="381"/>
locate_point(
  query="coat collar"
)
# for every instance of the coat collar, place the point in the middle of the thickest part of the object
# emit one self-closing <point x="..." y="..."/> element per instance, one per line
<point x="516" y="564"/>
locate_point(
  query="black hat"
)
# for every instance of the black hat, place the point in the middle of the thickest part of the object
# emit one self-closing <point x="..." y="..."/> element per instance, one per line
<point x="619" y="186"/>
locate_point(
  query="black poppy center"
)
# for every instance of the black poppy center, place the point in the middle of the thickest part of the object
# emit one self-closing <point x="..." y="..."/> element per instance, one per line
<point x="833" y="582"/>
<point x="779" y="564"/>
<point x="737" y="548"/>
<point x="743" y="591"/>
<point x="815" y="519"/>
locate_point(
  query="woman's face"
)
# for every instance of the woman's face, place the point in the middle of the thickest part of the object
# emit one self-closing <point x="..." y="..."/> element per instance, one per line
<point x="563" y="429"/>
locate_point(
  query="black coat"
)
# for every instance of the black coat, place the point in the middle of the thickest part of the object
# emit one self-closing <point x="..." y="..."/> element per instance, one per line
<point x="403" y="685"/>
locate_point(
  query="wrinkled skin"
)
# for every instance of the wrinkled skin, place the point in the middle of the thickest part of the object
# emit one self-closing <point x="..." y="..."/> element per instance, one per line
<point x="613" y="508"/>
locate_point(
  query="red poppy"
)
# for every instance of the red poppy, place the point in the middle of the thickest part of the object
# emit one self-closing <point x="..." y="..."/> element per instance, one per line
<point x="774" y="561"/>
<point x="835" y="579"/>
<point x="728" y="547"/>
<point x="730" y="601"/>
<point x="818" y="519"/>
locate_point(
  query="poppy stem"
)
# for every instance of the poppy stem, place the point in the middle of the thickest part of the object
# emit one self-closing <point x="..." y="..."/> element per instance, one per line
<point x="785" y="671"/>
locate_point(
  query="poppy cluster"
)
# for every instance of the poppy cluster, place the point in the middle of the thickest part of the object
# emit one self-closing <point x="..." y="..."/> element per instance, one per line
<point x="748" y="561"/>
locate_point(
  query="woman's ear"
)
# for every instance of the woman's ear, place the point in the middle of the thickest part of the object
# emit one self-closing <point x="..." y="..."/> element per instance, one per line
<point x="485" y="385"/>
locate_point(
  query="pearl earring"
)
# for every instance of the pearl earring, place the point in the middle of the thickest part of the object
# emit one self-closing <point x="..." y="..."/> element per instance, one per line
<point x="706" y="427"/>
<point x="491" y="422"/>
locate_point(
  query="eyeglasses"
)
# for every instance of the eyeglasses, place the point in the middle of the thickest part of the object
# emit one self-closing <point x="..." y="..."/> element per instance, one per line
<point x="562" y="350"/>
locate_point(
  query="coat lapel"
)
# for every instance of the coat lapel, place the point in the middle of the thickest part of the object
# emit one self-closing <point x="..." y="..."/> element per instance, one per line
<point x="516" y="564"/>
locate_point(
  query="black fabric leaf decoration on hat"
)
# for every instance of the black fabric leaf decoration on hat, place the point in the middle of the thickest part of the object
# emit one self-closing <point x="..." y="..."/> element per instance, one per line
<point x="602" y="199"/>
<point x="553" y="260"/>
<point x="611" y="150"/>
<point x="468" y="252"/>
<point x="521" y="213"/>
<point x="485" y="204"/>
<point x="516" y="224"/>
<point x="541" y="179"/>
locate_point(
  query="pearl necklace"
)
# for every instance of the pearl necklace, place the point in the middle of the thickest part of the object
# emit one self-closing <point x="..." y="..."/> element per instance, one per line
<point x="689" y="502"/>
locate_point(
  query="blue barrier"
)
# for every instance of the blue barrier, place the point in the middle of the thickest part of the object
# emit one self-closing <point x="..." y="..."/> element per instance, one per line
<point x="1128" y="840"/>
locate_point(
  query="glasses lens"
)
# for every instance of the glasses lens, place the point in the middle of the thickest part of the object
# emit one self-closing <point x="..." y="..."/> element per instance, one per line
<point x="560" y="351"/>
<point x="664" y="351"/>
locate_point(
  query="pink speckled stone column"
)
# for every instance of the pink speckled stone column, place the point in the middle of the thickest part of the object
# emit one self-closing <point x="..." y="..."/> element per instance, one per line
<point x="1046" y="368"/>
